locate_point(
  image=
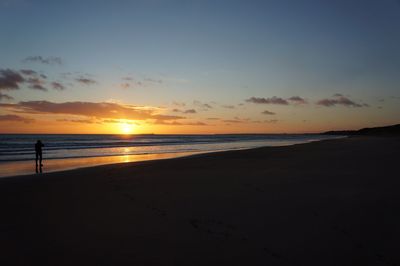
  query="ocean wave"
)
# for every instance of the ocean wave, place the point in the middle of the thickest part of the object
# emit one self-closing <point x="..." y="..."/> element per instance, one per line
<point x="21" y="147"/>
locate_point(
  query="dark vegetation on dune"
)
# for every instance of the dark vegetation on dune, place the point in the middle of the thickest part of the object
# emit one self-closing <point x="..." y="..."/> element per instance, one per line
<point x="393" y="130"/>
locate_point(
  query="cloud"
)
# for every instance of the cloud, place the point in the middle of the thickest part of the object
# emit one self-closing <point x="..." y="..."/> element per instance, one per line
<point x="90" y="109"/>
<point x="328" y="102"/>
<point x="203" y="106"/>
<point x="298" y="100"/>
<point x="86" y="81"/>
<point x="16" y="118"/>
<point x="125" y="85"/>
<point x="161" y="122"/>
<point x="118" y="121"/>
<point x="228" y="106"/>
<point x="57" y="86"/>
<point x="233" y="121"/>
<point x="113" y="121"/>
<point x="180" y="104"/>
<point x="266" y="112"/>
<point x="38" y="87"/>
<point x="237" y="120"/>
<point x="277" y="100"/>
<point x="36" y="84"/>
<point x="10" y="79"/>
<point x="159" y="81"/>
<point x="196" y="124"/>
<point x="189" y="111"/>
<point x="273" y="100"/>
<point x="5" y="97"/>
<point x="129" y="81"/>
<point x="213" y="118"/>
<point x="84" y="121"/>
<point x="52" y="60"/>
<point x="271" y="121"/>
<point x="175" y="123"/>
<point x="340" y="100"/>
<point x="28" y="72"/>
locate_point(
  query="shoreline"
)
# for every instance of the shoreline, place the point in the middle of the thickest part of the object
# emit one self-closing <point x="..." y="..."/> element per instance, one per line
<point x="331" y="202"/>
<point x="66" y="164"/>
<point x="10" y="169"/>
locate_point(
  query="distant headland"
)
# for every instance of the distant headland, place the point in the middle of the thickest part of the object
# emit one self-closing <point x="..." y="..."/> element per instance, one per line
<point x="393" y="130"/>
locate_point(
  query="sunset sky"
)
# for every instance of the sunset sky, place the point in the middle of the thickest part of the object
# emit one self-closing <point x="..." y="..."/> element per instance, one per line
<point x="160" y="66"/>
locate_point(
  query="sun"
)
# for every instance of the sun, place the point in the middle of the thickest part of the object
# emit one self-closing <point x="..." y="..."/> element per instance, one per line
<point x="126" y="128"/>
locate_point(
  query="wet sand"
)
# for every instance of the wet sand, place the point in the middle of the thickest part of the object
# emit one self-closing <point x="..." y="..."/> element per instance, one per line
<point x="333" y="202"/>
<point x="53" y="165"/>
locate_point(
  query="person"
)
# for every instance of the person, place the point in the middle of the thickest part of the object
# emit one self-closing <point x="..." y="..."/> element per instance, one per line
<point x="38" y="150"/>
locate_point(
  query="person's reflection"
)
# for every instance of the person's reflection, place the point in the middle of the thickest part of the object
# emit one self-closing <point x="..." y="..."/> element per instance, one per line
<point x="38" y="151"/>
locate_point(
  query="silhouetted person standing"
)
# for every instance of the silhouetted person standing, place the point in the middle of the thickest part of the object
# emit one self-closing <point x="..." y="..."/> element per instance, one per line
<point x="38" y="150"/>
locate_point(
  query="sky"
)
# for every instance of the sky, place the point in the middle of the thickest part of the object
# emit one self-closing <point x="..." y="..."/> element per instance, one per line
<point x="198" y="67"/>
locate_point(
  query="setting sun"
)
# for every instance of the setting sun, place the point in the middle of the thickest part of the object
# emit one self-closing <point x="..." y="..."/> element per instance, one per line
<point x="126" y="128"/>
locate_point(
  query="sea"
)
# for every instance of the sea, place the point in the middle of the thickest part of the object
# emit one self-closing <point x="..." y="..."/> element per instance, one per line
<point x="61" y="152"/>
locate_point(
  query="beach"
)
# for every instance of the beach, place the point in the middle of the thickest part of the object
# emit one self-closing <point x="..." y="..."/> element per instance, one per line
<point x="70" y="151"/>
<point x="331" y="202"/>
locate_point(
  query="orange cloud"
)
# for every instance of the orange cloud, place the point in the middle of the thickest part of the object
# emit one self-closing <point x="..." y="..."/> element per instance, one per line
<point x="15" y="118"/>
<point x="175" y="123"/>
<point x="90" y="109"/>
